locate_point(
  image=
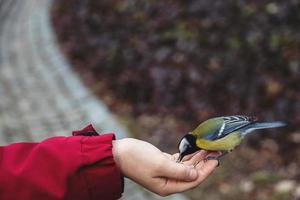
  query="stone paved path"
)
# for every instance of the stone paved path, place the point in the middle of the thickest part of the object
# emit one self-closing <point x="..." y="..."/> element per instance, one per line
<point x="40" y="95"/>
<point x="39" y="92"/>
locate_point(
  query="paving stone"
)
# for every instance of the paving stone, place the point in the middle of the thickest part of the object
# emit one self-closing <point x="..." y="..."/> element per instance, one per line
<point x="40" y="94"/>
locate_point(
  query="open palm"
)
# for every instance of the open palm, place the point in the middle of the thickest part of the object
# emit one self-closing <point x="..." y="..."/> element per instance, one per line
<point x="157" y="171"/>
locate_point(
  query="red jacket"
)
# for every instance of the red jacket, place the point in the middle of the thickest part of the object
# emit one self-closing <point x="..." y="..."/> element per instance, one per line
<point x="79" y="167"/>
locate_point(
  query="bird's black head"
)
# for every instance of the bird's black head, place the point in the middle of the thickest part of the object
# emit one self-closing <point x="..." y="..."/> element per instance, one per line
<point x="187" y="146"/>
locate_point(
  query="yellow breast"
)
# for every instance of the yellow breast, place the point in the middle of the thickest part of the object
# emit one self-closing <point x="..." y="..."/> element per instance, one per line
<point x="226" y="143"/>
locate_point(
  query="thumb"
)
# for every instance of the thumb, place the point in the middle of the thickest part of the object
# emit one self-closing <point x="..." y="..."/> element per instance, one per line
<point x="179" y="171"/>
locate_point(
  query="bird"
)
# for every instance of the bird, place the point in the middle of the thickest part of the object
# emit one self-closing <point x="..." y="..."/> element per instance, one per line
<point x="221" y="134"/>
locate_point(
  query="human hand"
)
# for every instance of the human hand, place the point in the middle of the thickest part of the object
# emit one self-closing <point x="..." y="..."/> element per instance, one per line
<point x="157" y="171"/>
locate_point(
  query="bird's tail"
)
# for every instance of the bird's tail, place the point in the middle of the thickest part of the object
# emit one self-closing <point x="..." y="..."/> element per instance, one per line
<point x="263" y="125"/>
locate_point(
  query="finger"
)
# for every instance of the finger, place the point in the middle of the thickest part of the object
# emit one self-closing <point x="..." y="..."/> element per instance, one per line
<point x="215" y="154"/>
<point x="172" y="157"/>
<point x="206" y="169"/>
<point x="178" y="171"/>
<point x="188" y="157"/>
<point x="175" y="156"/>
<point x="169" y="156"/>
<point x="173" y="186"/>
<point x="185" y="158"/>
<point x="197" y="157"/>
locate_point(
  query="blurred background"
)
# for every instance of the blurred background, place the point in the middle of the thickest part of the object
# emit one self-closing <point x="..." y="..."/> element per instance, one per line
<point x="154" y="70"/>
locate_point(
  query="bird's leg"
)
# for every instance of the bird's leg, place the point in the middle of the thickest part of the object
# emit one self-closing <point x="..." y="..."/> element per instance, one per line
<point x="223" y="153"/>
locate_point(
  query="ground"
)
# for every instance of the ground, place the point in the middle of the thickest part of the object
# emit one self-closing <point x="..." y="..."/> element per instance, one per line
<point x="163" y="67"/>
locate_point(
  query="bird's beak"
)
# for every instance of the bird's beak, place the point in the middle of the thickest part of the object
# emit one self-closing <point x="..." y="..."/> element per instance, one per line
<point x="180" y="157"/>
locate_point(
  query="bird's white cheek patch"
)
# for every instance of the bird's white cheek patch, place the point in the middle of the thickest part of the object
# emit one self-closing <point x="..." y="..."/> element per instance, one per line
<point x="183" y="144"/>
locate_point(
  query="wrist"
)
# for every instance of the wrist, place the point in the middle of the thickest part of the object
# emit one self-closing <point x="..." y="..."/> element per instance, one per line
<point x="115" y="151"/>
<point x="118" y="151"/>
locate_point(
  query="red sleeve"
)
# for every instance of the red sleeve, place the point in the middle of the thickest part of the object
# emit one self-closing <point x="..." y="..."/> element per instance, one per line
<point x="79" y="167"/>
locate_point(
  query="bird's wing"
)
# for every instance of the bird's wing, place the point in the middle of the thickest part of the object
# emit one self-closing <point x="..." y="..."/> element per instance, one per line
<point x="219" y="127"/>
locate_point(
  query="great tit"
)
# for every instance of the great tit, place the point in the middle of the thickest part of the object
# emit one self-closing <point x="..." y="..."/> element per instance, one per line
<point x="221" y="134"/>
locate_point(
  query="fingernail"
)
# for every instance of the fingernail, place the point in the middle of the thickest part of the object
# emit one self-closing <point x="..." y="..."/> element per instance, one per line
<point x="193" y="174"/>
<point x="217" y="162"/>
